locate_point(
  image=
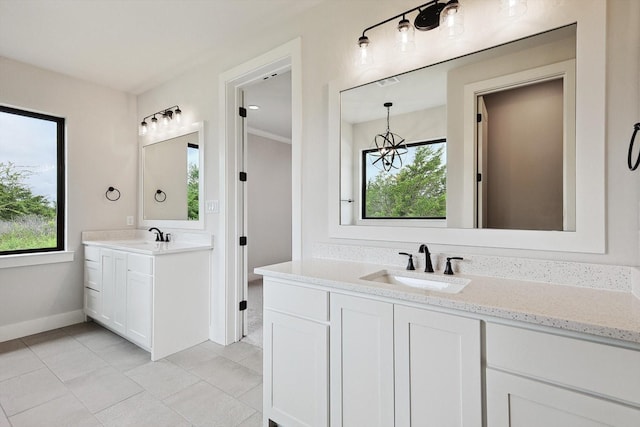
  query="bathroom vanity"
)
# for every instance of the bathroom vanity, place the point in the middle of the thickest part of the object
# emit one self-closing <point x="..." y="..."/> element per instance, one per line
<point x="344" y="349"/>
<point x="155" y="294"/>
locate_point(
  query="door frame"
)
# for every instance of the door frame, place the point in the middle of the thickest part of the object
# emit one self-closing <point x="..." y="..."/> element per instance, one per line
<point x="226" y="319"/>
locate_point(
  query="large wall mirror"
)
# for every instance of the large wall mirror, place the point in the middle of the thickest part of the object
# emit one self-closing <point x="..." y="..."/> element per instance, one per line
<point x="504" y="146"/>
<point x="171" y="180"/>
<point x="520" y="101"/>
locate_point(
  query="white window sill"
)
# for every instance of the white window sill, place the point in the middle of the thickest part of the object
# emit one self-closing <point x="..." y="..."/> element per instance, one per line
<point x="23" y="260"/>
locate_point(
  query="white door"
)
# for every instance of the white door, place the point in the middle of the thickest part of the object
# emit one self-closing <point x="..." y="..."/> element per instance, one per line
<point x="108" y="286"/>
<point x="438" y="369"/>
<point x="296" y="371"/>
<point x="482" y="175"/>
<point x="119" y="313"/>
<point x="242" y="255"/>
<point x="514" y="401"/>
<point x="361" y="360"/>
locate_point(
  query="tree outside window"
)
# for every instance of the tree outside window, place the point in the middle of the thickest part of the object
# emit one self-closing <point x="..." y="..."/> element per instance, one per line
<point x="417" y="190"/>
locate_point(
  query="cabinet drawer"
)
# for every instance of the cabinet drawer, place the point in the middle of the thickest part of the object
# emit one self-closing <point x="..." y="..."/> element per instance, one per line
<point x="594" y="367"/>
<point x="140" y="263"/>
<point x="91" y="253"/>
<point x="297" y="300"/>
<point x="92" y="302"/>
<point x="92" y="275"/>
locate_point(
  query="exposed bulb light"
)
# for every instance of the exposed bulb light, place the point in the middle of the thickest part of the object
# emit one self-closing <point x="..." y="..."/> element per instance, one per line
<point x="363" y="53"/>
<point x="166" y="117"/>
<point x="254" y="107"/>
<point x="451" y="19"/>
<point x="405" y="36"/>
<point x="513" y="8"/>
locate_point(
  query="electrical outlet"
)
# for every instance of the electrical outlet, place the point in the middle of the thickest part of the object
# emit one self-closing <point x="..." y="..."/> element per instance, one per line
<point x="212" y="206"/>
<point x="130" y="220"/>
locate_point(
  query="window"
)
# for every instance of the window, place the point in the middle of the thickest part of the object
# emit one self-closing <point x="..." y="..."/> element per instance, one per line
<point x="32" y="184"/>
<point x="417" y="190"/>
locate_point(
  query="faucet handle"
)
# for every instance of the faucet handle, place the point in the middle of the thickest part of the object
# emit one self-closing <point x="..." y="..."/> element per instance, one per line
<point x="410" y="264"/>
<point x="447" y="269"/>
<point x="167" y="237"/>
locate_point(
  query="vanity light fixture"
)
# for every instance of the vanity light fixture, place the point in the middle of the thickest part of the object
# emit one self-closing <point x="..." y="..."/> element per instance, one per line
<point x="166" y="115"/>
<point x="389" y="147"/>
<point x="431" y="15"/>
<point x="254" y="107"/>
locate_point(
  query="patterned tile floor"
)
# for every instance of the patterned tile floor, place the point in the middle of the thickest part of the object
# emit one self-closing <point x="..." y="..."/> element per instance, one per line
<point x="84" y="375"/>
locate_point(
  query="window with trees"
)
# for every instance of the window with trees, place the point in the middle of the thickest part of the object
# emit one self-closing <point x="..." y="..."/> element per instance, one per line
<point x="32" y="184"/>
<point x="417" y="190"/>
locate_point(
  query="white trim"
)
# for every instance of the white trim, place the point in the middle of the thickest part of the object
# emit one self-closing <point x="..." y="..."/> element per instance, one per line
<point x="42" y="324"/>
<point x="23" y="260"/>
<point x="268" y="135"/>
<point x="590" y="234"/>
<point x="224" y="298"/>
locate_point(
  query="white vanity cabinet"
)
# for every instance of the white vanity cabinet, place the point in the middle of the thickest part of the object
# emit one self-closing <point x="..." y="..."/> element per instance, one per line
<point x="159" y="302"/>
<point x="296" y="355"/>
<point x="535" y="379"/>
<point x="386" y="364"/>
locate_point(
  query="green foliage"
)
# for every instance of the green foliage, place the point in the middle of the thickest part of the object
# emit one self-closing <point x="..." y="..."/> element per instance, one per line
<point x="193" y="180"/>
<point x="16" y="198"/>
<point x="27" y="220"/>
<point x="418" y="190"/>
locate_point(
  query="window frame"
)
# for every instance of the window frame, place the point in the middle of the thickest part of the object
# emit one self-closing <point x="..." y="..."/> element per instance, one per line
<point x="363" y="184"/>
<point x="60" y="180"/>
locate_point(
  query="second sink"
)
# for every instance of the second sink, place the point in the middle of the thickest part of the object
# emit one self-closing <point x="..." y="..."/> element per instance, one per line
<point x="451" y="285"/>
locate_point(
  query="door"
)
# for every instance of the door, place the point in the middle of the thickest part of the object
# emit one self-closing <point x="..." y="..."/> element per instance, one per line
<point x="514" y="401"/>
<point x="296" y="370"/>
<point x="119" y="312"/>
<point x="482" y="176"/>
<point x="361" y="360"/>
<point x="242" y="255"/>
<point x="108" y="286"/>
<point x="438" y="369"/>
<point x="139" y="303"/>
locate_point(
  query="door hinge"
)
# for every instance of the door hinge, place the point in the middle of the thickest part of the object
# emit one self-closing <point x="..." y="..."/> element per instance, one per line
<point x="243" y="305"/>
<point x="242" y="111"/>
<point x="479" y="117"/>
<point x="479" y="177"/>
<point x="243" y="240"/>
<point x="272" y="423"/>
<point x="243" y="176"/>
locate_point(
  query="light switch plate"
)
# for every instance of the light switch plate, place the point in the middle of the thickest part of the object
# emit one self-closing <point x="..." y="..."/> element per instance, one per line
<point x="129" y="220"/>
<point x="212" y="206"/>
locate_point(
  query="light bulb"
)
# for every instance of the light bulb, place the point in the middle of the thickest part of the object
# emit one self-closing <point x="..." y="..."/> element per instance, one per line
<point x="363" y="53"/>
<point x="178" y="114"/>
<point x="143" y="128"/>
<point x="513" y="8"/>
<point x="165" y="119"/>
<point x="451" y="19"/>
<point x="405" y="36"/>
<point x="154" y="123"/>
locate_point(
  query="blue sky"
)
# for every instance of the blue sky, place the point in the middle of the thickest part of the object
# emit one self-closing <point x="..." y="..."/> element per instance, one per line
<point x="30" y="144"/>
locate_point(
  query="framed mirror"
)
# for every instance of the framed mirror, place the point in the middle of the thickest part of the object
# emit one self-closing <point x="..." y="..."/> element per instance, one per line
<point x="172" y="179"/>
<point x="442" y="102"/>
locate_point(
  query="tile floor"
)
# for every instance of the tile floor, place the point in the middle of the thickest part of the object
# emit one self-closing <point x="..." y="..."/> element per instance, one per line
<point x="84" y="375"/>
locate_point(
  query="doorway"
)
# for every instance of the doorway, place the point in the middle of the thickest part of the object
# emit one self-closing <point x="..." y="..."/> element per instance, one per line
<point x="232" y="274"/>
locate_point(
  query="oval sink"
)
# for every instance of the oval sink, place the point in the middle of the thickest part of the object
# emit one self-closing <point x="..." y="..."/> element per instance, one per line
<point x="451" y="285"/>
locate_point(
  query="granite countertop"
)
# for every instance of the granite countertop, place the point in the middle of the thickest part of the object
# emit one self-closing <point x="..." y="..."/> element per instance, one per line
<point x="148" y="247"/>
<point x="603" y="313"/>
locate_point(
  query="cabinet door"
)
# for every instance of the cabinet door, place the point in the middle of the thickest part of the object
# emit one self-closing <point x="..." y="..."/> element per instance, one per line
<point x="438" y="369"/>
<point x="514" y="401"/>
<point x="361" y="362"/>
<point x="119" y="289"/>
<point x="139" y="301"/>
<point x="108" y="286"/>
<point x="91" y="302"/>
<point x="296" y="373"/>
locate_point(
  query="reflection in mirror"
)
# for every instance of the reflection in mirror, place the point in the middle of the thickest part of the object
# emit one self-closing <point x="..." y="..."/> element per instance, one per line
<point x="171" y="181"/>
<point x="507" y="115"/>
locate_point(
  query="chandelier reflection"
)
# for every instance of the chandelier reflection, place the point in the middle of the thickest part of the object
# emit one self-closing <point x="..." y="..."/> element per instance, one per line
<point x="389" y="148"/>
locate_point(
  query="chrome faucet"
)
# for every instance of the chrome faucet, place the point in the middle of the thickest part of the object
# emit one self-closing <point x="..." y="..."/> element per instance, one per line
<point x="159" y="235"/>
<point x="428" y="267"/>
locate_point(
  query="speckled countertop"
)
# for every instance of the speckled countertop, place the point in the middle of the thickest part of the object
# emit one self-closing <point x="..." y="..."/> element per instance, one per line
<point x="604" y="313"/>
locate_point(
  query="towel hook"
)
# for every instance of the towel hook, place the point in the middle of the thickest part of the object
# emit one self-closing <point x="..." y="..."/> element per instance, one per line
<point x="160" y="196"/>
<point x="112" y="194"/>
<point x="634" y="166"/>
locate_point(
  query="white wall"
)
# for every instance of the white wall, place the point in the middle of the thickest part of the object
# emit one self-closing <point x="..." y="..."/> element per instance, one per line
<point x="269" y="202"/>
<point x="101" y="152"/>
<point x="329" y="33"/>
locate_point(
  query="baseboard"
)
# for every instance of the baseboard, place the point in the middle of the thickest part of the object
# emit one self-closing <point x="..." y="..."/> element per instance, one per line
<point x="30" y="327"/>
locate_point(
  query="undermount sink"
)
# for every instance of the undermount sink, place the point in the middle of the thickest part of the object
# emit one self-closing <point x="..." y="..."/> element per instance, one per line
<point x="451" y="285"/>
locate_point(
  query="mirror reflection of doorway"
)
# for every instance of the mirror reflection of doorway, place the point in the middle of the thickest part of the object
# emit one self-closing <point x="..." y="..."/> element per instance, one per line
<point x="520" y="157"/>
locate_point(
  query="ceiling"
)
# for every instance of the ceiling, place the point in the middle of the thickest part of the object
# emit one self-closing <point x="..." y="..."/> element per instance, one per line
<point x="273" y="96"/>
<point x="133" y="45"/>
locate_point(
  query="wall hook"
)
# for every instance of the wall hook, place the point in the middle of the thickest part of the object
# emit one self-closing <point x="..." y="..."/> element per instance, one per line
<point x="160" y="196"/>
<point x="634" y="166"/>
<point x="112" y="194"/>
